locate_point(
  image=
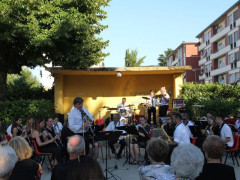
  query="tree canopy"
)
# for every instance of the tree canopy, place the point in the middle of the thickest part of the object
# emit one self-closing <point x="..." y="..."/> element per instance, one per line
<point x="163" y="57"/>
<point x="65" y="33"/>
<point x="131" y="59"/>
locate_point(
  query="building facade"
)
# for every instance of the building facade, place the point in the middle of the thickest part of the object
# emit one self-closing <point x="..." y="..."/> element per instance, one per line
<point x="219" y="49"/>
<point x="186" y="54"/>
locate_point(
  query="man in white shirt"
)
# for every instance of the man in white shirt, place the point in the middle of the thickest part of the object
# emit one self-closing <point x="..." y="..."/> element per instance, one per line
<point x="112" y="127"/>
<point x="76" y="120"/>
<point x="237" y="123"/>
<point x="57" y="125"/>
<point x="123" y="105"/>
<point x="225" y="131"/>
<point x="181" y="133"/>
<point x="163" y="103"/>
<point x="152" y="103"/>
<point x="187" y="123"/>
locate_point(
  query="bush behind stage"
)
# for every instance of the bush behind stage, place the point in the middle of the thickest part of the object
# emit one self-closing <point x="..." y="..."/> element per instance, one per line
<point x="218" y="99"/>
<point x="24" y="108"/>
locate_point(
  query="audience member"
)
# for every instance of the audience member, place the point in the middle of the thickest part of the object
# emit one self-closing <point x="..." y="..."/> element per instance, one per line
<point x="187" y="161"/>
<point x="225" y="131"/>
<point x="8" y="159"/>
<point x="157" y="150"/>
<point x="214" y="148"/>
<point x="25" y="168"/>
<point x="76" y="148"/>
<point x="85" y="168"/>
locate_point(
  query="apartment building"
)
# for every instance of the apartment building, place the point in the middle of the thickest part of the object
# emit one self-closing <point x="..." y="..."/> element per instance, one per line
<point x="186" y="54"/>
<point x="219" y="49"/>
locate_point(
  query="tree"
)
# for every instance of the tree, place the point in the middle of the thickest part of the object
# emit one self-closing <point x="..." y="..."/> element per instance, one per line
<point x="131" y="59"/>
<point x="62" y="32"/>
<point x="163" y="57"/>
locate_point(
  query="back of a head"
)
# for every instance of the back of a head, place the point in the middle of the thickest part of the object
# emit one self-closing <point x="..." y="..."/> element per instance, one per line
<point x="8" y="159"/>
<point x="187" y="161"/>
<point x="76" y="145"/>
<point x="157" y="149"/>
<point x="214" y="146"/>
<point x="85" y="168"/>
<point x="77" y="100"/>
<point x="21" y="147"/>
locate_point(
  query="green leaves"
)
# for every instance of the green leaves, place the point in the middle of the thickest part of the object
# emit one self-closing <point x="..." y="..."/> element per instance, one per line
<point x="163" y="57"/>
<point x="131" y="59"/>
<point x="218" y="99"/>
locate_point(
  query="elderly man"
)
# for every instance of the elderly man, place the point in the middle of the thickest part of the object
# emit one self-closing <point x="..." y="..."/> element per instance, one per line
<point x="76" y="148"/>
<point x="214" y="148"/>
<point x="112" y="127"/>
<point x="8" y="159"/>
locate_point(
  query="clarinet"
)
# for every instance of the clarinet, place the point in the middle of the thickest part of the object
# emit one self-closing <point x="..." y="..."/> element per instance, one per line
<point x="59" y="140"/>
<point x="50" y="136"/>
<point x="86" y="119"/>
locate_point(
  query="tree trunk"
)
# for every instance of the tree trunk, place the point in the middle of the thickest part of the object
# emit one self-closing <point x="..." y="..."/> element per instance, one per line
<point x="3" y="86"/>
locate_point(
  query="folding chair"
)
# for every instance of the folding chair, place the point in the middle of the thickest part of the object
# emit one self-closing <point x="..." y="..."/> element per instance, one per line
<point x="234" y="150"/>
<point x="40" y="157"/>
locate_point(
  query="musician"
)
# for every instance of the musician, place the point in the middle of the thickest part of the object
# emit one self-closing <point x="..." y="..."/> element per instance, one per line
<point x="112" y="127"/>
<point x="187" y="123"/>
<point x="169" y="127"/>
<point x="163" y="103"/>
<point x="237" y="123"/>
<point x="76" y="121"/>
<point x="225" y="131"/>
<point x="57" y="125"/>
<point x="212" y="128"/>
<point x="123" y="105"/>
<point x="16" y="127"/>
<point x="152" y="103"/>
<point x="141" y="141"/>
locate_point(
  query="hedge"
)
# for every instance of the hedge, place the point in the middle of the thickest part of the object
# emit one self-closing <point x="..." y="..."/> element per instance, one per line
<point x="218" y="99"/>
<point x="25" y="108"/>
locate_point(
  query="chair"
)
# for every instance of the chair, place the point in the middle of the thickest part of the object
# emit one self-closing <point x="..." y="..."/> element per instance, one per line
<point x="194" y="141"/>
<point x="40" y="157"/>
<point x="233" y="151"/>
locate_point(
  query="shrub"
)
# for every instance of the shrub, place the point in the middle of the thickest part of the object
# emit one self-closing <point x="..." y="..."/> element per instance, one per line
<point x="218" y="99"/>
<point x="25" y="108"/>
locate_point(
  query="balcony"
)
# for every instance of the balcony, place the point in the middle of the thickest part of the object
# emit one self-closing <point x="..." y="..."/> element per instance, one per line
<point x="202" y="61"/>
<point x="202" y="77"/>
<point x="238" y="64"/>
<point x="202" y="45"/>
<point x="221" y="70"/>
<point x="175" y="62"/>
<point x="220" y="34"/>
<point x="220" y="52"/>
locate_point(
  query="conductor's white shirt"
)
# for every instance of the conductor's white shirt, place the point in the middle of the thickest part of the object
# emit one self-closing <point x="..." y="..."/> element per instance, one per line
<point x="181" y="134"/>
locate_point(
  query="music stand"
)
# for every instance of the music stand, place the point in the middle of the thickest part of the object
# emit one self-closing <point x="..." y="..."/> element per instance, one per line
<point x="130" y="130"/>
<point x="201" y="124"/>
<point x="108" y="135"/>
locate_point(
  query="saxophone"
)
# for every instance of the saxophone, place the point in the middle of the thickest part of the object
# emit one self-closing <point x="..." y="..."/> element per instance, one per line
<point x="165" y="135"/>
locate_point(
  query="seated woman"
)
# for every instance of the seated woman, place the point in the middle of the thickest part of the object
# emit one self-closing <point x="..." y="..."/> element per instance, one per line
<point x="141" y="141"/>
<point x="187" y="161"/>
<point x="25" y="168"/>
<point x="85" y="168"/>
<point x="29" y="130"/>
<point x="16" y="127"/>
<point x="214" y="148"/>
<point x="47" y="145"/>
<point x="157" y="150"/>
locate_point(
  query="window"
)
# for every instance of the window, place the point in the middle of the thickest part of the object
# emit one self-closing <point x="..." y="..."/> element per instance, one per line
<point x="230" y="39"/>
<point x="207" y="37"/>
<point x="230" y="19"/>
<point x="221" y="63"/>
<point x="236" y="56"/>
<point x="235" y="36"/>
<point x="235" y="15"/>
<point x="230" y="58"/>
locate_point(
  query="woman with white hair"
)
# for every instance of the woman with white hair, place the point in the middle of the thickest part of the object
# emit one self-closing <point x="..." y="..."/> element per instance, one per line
<point x="187" y="161"/>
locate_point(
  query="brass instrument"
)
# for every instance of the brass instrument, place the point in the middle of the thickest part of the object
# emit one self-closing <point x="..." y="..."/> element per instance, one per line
<point x="210" y="129"/>
<point x="140" y="128"/>
<point x="165" y="135"/>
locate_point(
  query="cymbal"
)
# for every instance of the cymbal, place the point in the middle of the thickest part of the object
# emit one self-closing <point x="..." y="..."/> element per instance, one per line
<point x="129" y="105"/>
<point x="111" y="109"/>
<point x="104" y="107"/>
<point x="145" y="98"/>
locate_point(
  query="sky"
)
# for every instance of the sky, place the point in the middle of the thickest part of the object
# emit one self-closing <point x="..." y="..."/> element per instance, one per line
<point x="152" y="26"/>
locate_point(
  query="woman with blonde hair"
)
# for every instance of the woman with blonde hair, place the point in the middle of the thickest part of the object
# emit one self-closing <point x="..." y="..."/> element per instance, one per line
<point x="25" y="168"/>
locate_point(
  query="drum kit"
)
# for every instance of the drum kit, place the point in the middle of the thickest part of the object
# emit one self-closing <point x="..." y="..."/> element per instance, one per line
<point x="128" y="112"/>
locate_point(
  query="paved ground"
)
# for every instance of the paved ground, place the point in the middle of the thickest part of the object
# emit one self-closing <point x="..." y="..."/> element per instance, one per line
<point x="128" y="171"/>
